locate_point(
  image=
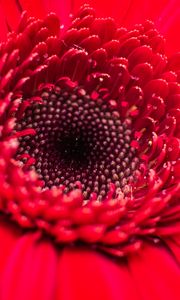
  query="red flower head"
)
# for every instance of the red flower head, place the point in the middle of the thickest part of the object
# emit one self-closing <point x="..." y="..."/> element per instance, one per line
<point x="89" y="140"/>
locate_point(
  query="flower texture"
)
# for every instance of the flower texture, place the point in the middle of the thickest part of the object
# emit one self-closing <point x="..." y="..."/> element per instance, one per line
<point x="89" y="137"/>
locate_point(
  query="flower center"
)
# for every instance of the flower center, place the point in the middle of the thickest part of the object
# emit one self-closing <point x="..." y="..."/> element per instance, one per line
<point x="78" y="139"/>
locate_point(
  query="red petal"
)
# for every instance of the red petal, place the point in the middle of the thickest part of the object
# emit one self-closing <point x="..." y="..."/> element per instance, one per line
<point x="169" y="24"/>
<point x="12" y="19"/>
<point x="3" y="26"/>
<point x="30" y="271"/>
<point x="174" y="245"/>
<point x="156" y="273"/>
<point x="84" y="274"/>
<point x="9" y="235"/>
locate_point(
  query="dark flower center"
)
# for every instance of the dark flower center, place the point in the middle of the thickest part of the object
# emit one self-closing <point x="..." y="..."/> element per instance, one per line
<point x="78" y="139"/>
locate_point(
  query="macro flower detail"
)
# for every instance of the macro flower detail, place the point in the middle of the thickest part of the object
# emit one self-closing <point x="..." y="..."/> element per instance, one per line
<point x="89" y="146"/>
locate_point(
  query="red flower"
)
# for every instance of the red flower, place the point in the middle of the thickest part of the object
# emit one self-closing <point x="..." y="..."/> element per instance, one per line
<point x="89" y="160"/>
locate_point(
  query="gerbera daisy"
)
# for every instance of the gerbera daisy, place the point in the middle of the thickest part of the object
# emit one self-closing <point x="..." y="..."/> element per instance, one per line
<point x="89" y="161"/>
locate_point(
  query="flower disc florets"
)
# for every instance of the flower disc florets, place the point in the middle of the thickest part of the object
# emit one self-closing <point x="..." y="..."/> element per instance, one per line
<point x="78" y="138"/>
<point x="90" y="132"/>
